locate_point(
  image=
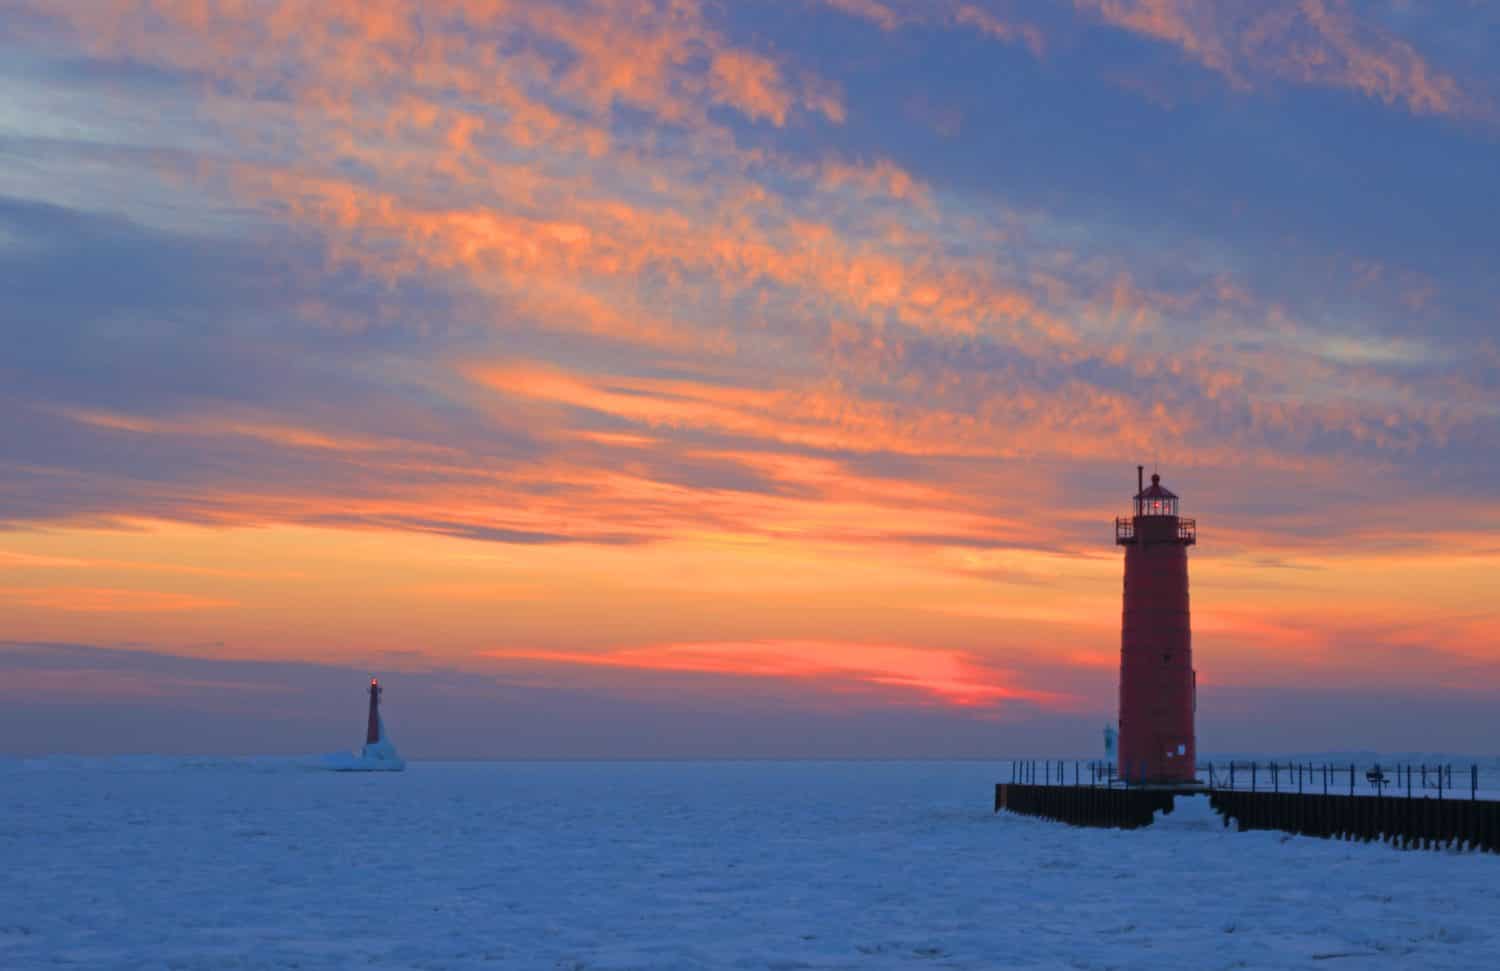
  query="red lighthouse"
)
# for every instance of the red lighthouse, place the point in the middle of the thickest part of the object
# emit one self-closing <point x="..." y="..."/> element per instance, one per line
<point x="1158" y="686"/>
<point x="372" y="729"/>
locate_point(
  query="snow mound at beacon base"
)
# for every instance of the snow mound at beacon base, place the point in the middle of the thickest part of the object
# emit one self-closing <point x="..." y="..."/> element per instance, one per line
<point x="378" y="756"/>
<point x="1190" y="812"/>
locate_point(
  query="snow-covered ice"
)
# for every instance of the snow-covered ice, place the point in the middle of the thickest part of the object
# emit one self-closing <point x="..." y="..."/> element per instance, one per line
<point x="266" y="863"/>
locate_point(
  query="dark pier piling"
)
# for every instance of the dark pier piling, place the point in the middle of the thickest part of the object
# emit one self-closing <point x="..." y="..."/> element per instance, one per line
<point x="1085" y="805"/>
<point x="1408" y="823"/>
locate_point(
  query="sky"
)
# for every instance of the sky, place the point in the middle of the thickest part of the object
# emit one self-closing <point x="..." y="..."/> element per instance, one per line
<point x="742" y="378"/>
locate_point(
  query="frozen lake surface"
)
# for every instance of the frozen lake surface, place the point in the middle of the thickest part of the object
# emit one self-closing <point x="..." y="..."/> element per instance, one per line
<point x="167" y="863"/>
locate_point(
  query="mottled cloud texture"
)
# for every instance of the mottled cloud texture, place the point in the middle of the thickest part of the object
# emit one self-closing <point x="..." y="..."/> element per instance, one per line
<point x="800" y="349"/>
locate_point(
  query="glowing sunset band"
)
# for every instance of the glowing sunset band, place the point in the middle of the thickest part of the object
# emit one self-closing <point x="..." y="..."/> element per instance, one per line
<point x="947" y="676"/>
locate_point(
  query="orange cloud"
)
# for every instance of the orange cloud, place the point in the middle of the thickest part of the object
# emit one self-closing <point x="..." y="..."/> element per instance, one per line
<point x="34" y="561"/>
<point x="267" y="431"/>
<point x="103" y="684"/>
<point x="987" y="23"/>
<point x="645" y="54"/>
<point x="1306" y="41"/>
<point x="750" y="83"/>
<point x="888" y="18"/>
<point x="104" y="600"/>
<point x="872" y="10"/>
<point x="883" y="178"/>
<point x="826" y="416"/>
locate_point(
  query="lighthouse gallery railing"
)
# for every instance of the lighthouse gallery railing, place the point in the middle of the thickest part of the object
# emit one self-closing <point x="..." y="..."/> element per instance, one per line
<point x="1187" y="529"/>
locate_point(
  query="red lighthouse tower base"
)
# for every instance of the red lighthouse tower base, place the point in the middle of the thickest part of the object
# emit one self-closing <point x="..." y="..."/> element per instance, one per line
<point x="1157" y="681"/>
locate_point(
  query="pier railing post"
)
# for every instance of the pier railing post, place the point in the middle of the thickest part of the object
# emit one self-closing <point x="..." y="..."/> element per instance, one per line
<point x="1351" y="778"/>
<point x="1252" y="776"/>
<point x="1474" y="781"/>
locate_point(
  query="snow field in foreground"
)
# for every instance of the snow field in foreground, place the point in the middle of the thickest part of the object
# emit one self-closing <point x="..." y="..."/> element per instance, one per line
<point x="268" y="864"/>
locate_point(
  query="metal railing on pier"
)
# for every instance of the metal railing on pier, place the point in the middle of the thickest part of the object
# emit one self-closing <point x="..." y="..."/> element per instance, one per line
<point x="1440" y="781"/>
